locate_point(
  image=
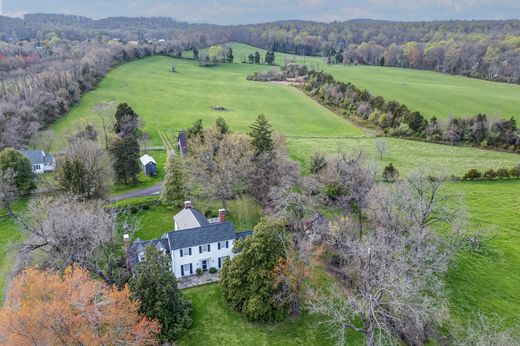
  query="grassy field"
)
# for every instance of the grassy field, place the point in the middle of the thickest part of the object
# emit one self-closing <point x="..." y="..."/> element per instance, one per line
<point x="431" y="93"/>
<point x="169" y="102"/>
<point x="489" y="281"/>
<point x="406" y="155"/>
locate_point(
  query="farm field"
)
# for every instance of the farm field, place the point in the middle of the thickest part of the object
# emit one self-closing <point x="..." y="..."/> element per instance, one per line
<point x="431" y="93"/>
<point x="169" y="101"/>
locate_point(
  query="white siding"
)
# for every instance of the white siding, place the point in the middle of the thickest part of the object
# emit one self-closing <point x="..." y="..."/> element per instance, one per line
<point x="196" y="258"/>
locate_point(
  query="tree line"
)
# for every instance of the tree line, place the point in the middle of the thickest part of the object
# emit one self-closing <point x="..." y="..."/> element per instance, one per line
<point x="396" y="119"/>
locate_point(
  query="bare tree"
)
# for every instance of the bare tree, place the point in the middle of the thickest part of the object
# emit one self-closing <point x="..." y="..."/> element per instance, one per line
<point x="482" y="331"/>
<point x="97" y="167"/>
<point x="392" y="286"/>
<point x="353" y="178"/>
<point x="382" y="147"/>
<point x="67" y="231"/>
<point x="220" y="163"/>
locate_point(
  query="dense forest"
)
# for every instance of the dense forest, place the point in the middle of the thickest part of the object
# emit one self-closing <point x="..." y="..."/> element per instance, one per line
<point x="481" y="49"/>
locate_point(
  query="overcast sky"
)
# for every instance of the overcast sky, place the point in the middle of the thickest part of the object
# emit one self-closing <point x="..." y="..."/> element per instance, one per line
<point x="255" y="11"/>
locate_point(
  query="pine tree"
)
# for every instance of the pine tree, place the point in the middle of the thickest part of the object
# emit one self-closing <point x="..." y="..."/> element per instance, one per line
<point x="155" y="286"/>
<point x="229" y="55"/>
<point x="257" y="58"/>
<point x="125" y="155"/>
<point x="222" y="126"/>
<point x="21" y="167"/>
<point x="261" y="133"/>
<point x="174" y="191"/>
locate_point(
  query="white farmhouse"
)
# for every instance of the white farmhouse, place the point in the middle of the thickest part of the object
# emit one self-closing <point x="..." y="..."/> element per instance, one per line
<point x="196" y="242"/>
<point x="40" y="162"/>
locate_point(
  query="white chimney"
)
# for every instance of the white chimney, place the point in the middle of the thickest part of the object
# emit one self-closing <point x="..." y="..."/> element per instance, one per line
<point x="187" y="204"/>
<point x="221" y="215"/>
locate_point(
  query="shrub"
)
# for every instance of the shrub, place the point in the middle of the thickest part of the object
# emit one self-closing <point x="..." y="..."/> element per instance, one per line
<point x="318" y="162"/>
<point x="212" y="270"/>
<point x="472" y="174"/>
<point x="199" y="271"/>
<point x="390" y="173"/>
<point x="503" y="173"/>
<point x="490" y="174"/>
<point x="515" y="172"/>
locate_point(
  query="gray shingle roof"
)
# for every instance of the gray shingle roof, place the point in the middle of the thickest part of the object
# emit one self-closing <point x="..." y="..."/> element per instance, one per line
<point x="244" y="234"/>
<point x="203" y="235"/>
<point x="190" y="218"/>
<point x="35" y="156"/>
<point x="139" y="246"/>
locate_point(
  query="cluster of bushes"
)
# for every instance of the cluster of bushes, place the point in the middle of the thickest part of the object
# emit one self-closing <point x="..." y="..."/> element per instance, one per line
<point x="267" y="76"/>
<point x="499" y="173"/>
<point x="395" y="119"/>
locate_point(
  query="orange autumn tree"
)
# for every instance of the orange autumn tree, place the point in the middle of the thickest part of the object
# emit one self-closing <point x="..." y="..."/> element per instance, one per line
<point x="46" y="308"/>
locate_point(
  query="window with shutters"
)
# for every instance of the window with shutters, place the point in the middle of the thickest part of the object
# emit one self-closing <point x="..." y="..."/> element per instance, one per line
<point x="223" y="244"/>
<point x="186" y="269"/>
<point x="204" y="248"/>
<point x="185" y="252"/>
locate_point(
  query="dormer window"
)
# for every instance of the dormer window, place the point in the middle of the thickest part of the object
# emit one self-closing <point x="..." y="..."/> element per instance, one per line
<point x="140" y="257"/>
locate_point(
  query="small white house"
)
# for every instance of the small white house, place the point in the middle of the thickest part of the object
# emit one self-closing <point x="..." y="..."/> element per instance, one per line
<point x="40" y="162"/>
<point x="195" y="243"/>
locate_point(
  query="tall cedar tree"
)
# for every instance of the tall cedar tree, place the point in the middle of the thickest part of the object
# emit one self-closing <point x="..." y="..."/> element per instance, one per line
<point x="20" y="166"/>
<point x="125" y="155"/>
<point x="174" y="191"/>
<point x="126" y="120"/>
<point x="261" y="134"/>
<point x="247" y="279"/>
<point x="71" y="176"/>
<point x="155" y="286"/>
<point x="257" y="58"/>
<point x="46" y="308"/>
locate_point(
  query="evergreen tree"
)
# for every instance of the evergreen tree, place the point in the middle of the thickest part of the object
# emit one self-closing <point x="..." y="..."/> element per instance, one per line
<point x="21" y="167"/>
<point x="247" y="279"/>
<point x="155" y="286"/>
<point x="257" y="58"/>
<point x="125" y="155"/>
<point x="222" y="126"/>
<point x="251" y="58"/>
<point x="269" y="57"/>
<point x="261" y="134"/>
<point x="126" y="120"/>
<point x="390" y="173"/>
<point x="195" y="52"/>
<point x="229" y="55"/>
<point x="71" y="176"/>
<point x="174" y="191"/>
<point x="196" y="129"/>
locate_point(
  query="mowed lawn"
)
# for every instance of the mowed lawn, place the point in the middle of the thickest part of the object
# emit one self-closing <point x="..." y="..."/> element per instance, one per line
<point x="215" y="324"/>
<point x="431" y="93"/>
<point x="169" y="102"/>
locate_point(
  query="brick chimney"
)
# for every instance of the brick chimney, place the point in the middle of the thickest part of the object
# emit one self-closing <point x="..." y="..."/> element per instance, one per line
<point x="126" y="239"/>
<point x="221" y="215"/>
<point x="187" y="204"/>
